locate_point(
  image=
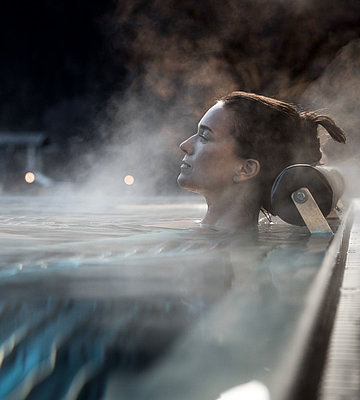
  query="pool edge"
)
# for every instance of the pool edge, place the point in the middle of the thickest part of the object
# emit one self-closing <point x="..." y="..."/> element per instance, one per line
<point x="301" y="371"/>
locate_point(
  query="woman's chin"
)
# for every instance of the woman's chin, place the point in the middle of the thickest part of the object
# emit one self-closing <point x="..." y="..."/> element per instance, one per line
<point x="184" y="182"/>
<point x="181" y="180"/>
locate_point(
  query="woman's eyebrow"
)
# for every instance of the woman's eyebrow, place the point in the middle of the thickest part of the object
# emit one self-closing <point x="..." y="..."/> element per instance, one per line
<point x="204" y="127"/>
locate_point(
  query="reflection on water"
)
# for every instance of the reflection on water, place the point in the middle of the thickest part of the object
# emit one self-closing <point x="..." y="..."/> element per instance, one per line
<point x="112" y="301"/>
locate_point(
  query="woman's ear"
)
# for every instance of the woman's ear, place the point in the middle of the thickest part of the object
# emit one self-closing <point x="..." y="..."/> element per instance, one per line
<point x="246" y="169"/>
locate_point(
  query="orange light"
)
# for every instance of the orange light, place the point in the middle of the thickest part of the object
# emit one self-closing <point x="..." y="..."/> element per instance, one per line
<point x="129" y="180"/>
<point x="29" y="177"/>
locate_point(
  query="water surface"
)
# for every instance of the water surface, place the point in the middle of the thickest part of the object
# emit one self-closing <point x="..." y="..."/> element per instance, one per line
<point x="132" y="300"/>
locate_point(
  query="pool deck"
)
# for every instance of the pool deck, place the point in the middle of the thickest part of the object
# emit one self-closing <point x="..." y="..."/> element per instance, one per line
<point x="341" y="378"/>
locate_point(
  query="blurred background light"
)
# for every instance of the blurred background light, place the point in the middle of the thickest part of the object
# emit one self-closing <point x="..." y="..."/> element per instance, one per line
<point x="29" y="177"/>
<point x="129" y="180"/>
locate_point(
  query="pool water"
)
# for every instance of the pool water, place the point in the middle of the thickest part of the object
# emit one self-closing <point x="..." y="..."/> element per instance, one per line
<point x="132" y="300"/>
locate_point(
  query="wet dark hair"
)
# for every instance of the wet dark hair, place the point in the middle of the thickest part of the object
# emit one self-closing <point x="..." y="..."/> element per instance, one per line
<point x="276" y="134"/>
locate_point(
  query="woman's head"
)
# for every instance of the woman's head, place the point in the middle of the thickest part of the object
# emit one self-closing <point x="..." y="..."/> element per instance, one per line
<point x="211" y="163"/>
<point x="251" y="140"/>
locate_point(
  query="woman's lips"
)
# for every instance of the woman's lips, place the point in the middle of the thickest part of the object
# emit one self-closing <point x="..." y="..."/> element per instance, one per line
<point x="185" y="165"/>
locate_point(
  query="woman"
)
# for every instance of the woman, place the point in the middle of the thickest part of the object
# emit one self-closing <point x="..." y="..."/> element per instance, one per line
<point x="243" y="142"/>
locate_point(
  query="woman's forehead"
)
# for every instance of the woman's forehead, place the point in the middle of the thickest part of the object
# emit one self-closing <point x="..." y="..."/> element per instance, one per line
<point x="218" y="119"/>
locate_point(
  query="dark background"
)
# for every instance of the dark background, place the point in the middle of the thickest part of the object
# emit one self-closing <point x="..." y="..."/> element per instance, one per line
<point x="84" y="71"/>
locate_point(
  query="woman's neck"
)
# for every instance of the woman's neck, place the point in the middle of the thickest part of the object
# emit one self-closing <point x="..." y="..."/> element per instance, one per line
<point x="231" y="210"/>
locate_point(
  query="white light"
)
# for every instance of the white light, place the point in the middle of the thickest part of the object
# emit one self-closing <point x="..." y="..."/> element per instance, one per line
<point x="253" y="390"/>
<point x="129" y="180"/>
<point x="29" y="177"/>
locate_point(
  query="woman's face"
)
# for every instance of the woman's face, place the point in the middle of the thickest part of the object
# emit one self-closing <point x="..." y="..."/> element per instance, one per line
<point x="210" y="159"/>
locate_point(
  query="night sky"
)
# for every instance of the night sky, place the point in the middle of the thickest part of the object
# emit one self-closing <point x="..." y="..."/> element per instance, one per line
<point x="51" y="51"/>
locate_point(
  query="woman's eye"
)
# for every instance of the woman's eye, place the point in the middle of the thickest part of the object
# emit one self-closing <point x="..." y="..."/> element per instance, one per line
<point x="203" y="138"/>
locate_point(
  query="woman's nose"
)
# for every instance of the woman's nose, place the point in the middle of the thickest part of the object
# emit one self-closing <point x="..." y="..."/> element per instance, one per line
<point x="186" y="145"/>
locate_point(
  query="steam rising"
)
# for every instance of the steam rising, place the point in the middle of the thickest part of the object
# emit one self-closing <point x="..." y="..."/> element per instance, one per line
<point x="336" y="94"/>
<point x="136" y="156"/>
<point x="179" y="66"/>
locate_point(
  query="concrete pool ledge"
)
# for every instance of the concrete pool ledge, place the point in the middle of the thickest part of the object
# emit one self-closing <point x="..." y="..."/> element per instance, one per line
<point x="341" y="377"/>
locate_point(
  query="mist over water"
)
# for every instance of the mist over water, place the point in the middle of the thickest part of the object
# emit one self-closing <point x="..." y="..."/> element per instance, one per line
<point x="176" y="68"/>
<point x="133" y="144"/>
